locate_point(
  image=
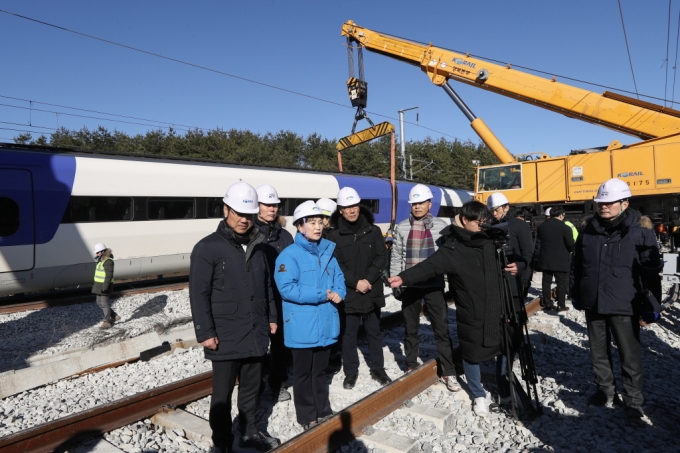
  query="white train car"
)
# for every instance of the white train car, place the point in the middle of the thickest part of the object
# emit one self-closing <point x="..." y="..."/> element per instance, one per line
<point x="56" y="204"/>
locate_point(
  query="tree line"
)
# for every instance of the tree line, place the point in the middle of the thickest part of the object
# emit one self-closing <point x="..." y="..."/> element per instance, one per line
<point x="441" y="162"/>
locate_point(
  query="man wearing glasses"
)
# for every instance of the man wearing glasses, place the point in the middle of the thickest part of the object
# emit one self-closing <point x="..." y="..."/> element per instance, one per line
<point x="233" y="310"/>
<point x="616" y="264"/>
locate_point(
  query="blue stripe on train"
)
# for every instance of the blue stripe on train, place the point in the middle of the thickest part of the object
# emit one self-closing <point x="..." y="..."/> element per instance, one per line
<point x="52" y="178"/>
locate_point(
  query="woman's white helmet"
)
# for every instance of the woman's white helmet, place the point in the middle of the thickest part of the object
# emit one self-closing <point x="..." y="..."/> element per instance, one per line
<point x="266" y="194"/>
<point x="496" y="199"/>
<point x="420" y="193"/>
<point x="327" y="206"/>
<point x="348" y="197"/>
<point x="99" y="247"/>
<point x="306" y="209"/>
<point x="612" y="190"/>
<point x="242" y="198"/>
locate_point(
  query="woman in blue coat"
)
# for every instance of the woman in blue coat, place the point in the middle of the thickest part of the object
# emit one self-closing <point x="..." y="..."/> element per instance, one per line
<point x="311" y="283"/>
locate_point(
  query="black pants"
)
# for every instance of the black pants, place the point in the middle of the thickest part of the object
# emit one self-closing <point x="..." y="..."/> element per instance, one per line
<point x="438" y="314"/>
<point x="278" y="372"/>
<point x="561" y="280"/>
<point x="249" y="372"/>
<point x="626" y="331"/>
<point x="310" y="389"/>
<point x="350" y="354"/>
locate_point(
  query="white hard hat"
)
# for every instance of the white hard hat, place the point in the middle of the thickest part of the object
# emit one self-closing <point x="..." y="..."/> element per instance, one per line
<point x="612" y="190"/>
<point x="267" y="194"/>
<point x="242" y="198"/>
<point x="547" y="212"/>
<point x="99" y="248"/>
<point x="495" y="200"/>
<point x="306" y="209"/>
<point x="348" y="197"/>
<point x="420" y="193"/>
<point x="327" y="206"/>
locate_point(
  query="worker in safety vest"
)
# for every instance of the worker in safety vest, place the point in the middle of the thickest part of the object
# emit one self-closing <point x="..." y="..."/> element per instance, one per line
<point x="103" y="283"/>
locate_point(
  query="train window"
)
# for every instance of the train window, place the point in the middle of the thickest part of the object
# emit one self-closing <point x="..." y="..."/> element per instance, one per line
<point x="372" y="205"/>
<point x="9" y="220"/>
<point x="214" y="208"/>
<point x="98" y="209"/>
<point x="170" y="208"/>
<point x="288" y="205"/>
<point x="499" y="177"/>
<point x="448" y="211"/>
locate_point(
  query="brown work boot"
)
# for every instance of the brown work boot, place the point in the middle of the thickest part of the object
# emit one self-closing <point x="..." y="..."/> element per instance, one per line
<point x="106" y="324"/>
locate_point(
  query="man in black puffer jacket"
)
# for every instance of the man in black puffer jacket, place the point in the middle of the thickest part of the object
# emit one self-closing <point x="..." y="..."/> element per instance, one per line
<point x="233" y="310"/>
<point x="275" y="238"/>
<point x="361" y="253"/>
<point x="615" y="270"/>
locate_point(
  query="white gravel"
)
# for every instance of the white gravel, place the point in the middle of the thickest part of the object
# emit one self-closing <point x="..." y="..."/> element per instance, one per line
<point x="58" y="329"/>
<point x="562" y="362"/>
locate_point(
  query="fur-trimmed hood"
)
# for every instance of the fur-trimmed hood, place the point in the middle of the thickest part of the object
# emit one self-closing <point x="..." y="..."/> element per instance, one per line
<point x="363" y="210"/>
<point x="108" y="253"/>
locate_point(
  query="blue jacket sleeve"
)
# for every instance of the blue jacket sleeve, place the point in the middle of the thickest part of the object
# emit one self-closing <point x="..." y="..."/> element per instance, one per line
<point x="338" y="278"/>
<point x="287" y="277"/>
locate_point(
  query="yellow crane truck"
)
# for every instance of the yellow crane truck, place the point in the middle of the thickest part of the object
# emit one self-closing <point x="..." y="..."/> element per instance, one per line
<point x="651" y="167"/>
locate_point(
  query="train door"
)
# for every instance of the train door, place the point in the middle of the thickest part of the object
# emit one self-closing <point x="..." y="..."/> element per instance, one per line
<point x="17" y="229"/>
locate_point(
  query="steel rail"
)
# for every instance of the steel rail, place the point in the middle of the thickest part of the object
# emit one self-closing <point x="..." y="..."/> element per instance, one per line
<point x="328" y="436"/>
<point x="95" y="422"/>
<point x="346" y="425"/>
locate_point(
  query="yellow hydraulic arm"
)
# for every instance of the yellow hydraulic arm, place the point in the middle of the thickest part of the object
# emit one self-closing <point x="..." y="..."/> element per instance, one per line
<point x="612" y="110"/>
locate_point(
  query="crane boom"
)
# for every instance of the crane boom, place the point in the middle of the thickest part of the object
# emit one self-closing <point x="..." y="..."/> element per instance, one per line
<point x="612" y="110"/>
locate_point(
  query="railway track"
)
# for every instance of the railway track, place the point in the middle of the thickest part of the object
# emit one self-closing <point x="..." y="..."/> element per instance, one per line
<point x="328" y="436"/>
<point x="15" y="304"/>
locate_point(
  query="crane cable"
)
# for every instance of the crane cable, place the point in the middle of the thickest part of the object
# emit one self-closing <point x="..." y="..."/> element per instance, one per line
<point x="668" y="41"/>
<point x="630" y="60"/>
<point x="675" y="65"/>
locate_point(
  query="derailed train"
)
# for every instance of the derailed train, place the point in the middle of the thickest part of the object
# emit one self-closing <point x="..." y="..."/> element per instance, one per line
<point x="55" y="204"/>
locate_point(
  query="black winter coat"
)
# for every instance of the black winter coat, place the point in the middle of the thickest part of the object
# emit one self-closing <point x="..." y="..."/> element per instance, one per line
<point x="522" y="245"/>
<point x="463" y="261"/>
<point x="556" y="244"/>
<point x="231" y="294"/>
<point x="275" y="238"/>
<point x="361" y="256"/>
<point x="610" y="269"/>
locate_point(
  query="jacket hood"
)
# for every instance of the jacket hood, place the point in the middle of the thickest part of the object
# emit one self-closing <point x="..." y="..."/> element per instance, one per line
<point x="626" y="220"/>
<point x="363" y="210"/>
<point x="106" y="255"/>
<point x="316" y="248"/>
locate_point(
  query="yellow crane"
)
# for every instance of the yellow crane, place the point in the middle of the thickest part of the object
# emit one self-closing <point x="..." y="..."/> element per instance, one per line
<point x="651" y="167"/>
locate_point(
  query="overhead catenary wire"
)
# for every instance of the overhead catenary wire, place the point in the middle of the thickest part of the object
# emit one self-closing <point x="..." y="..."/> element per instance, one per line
<point x="668" y="41"/>
<point x="630" y="60"/>
<point x="675" y="64"/>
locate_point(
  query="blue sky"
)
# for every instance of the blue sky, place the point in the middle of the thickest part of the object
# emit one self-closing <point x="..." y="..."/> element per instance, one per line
<point x="296" y="45"/>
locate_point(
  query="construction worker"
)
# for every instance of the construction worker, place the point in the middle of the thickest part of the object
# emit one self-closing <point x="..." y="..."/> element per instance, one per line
<point x="103" y="283"/>
<point x="328" y="207"/>
<point x="233" y="309"/>
<point x="275" y="238"/>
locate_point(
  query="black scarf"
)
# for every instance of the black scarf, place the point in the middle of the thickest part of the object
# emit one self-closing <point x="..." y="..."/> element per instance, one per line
<point x="611" y="225"/>
<point x="242" y="239"/>
<point x="492" y="280"/>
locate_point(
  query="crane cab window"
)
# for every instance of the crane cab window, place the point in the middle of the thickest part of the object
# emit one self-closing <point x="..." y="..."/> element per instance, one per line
<point x="9" y="220"/>
<point x="500" y="177"/>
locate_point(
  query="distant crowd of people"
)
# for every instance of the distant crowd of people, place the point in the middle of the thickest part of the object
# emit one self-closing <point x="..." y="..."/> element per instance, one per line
<point x="254" y="288"/>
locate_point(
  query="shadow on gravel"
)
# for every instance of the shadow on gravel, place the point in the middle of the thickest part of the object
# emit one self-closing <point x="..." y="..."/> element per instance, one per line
<point x="566" y="379"/>
<point x="41" y="329"/>
<point x="150" y="308"/>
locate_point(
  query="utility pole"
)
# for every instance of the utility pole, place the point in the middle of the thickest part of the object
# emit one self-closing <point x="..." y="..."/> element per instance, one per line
<point x="403" y="140"/>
